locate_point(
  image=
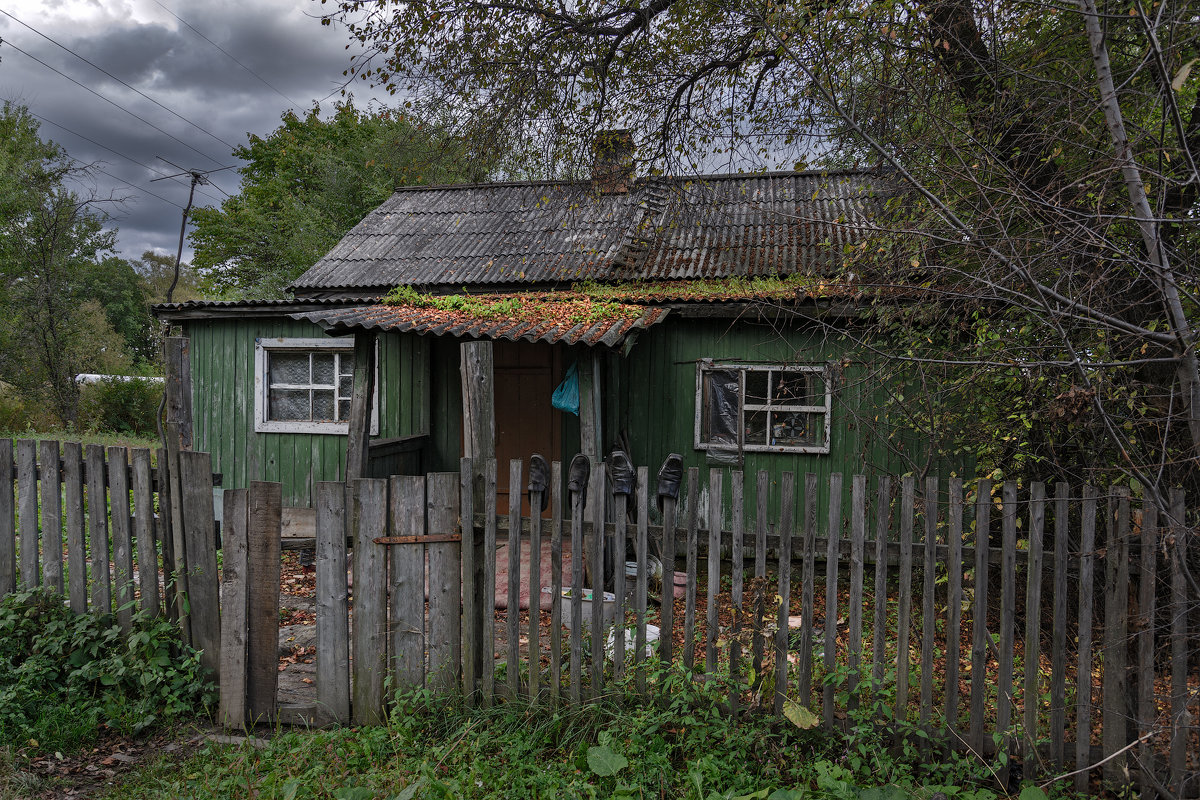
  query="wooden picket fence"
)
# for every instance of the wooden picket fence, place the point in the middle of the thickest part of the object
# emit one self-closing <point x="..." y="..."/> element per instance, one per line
<point x="99" y="525"/>
<point x="1073" y="620"/>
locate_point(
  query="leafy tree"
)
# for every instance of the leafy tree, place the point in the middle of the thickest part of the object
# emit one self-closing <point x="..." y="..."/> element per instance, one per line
<point x="309" y="182"/>
<point x="1045" y="158"/>
<point x="51" y="240"/>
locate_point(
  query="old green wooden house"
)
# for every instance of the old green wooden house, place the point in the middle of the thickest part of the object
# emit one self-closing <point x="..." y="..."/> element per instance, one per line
<point x="702" y="316"/>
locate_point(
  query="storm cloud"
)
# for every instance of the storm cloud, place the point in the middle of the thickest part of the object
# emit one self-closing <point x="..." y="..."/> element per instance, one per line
<point x="203" y="102"/>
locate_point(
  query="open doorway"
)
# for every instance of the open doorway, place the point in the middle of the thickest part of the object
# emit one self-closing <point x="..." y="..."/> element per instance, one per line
<point x="525" y="374"/>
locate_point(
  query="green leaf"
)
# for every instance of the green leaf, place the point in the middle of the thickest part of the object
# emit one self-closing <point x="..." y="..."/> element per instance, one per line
<point x="1033" y="793"/>
<point x="354" y="793"/>
<point x="604" y="762"/>
<point x="289" y="789"/>
<point x="800" y="716"/>
<point x="410" y="791"/>
<point x="787" y="794"/>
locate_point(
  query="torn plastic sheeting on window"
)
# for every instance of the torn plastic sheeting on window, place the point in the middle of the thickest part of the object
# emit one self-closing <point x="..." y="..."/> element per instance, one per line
<point x="724" y="390"/>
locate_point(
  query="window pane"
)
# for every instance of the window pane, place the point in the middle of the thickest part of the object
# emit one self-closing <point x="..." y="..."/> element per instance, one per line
<point x="721" y="408"/>
<point x="346" y="363"/>
<point x="289" y="368"/>
<point x="322" y="405"/>
<point x="756" y="386"/>
<point x="345" y="386"/>
<point x="289" y="405"/>
<point x="790" y="387"/>
<point x="322" y="369"/>
<point x="343" y="410"/>
<point x="756" y="427"/>
<point x="790" y="428"/>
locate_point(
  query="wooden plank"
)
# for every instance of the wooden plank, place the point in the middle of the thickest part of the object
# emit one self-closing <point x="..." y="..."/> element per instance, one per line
<point x="1179" y="641"/>
<point x="762" y="499"/>
<point x="235" y="522"/>
<point x="787" y="502"/>
<point x="165" y="537"/>
<point x="97" y="513"/>
<point x="472" y="628"/>
<point x="143" y="532"/>
<point x="362" y="395"/>
<point x="488" y="596"/>
<point x="1058" y="656"/>
<point x="8" y="523"/>
<point x="476" y="373"/>
<point x="737" y="511"/>
<point x="333" y="603"/>
<point x="1033" y="619"/>
<point x="808" y="578"/>
<point x="879" y="633"/>
<point x="578" y="500"/>
<point x="1008" y="611"/>
<point x="689" y="611"/>
<point x="512" y="615"/>
<point x="73" y="512"/>
<point x="195" y="473"/>
<point x="178" y="387"/>
<point x="1147" y="712"/>
<point x="174" y="512"/>
<point x="406" y="583"/>
<point x="711" y="625"/>
<point x="904" y="611"/>
<point x="858" y="535"/>
<point x="51" y="502"/>
<point x="1083" y="673"/>
<point x="979" y="632"/>
<point x="1116" y="704"/>
<point x="642" y="585"/>
<point x="445" y="584"/>
<point x="535" y="594"/>
<point x="122" y="534"/>
<point x="596" y="487"/>
<point x="556" y="582"/>
<point x="620" y="510"/>
<point x="829" y="643"/>
<point x="954" y="598"/>
<point x="666" y="646"/>
<point x="27" y="513"/>
<point x="262" y="606"/>
<point x="367" y="509"/>
<point x="928" y="589"/>
<point x="423" y="539"/>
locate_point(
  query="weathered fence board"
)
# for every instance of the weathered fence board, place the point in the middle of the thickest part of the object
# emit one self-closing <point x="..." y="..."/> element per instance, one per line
<point x="332" y="601"/>
<point x="77" y="578"/>
<point x="1058" y="657"/>
<point x="406" y="582"/>
<point x="904" y="613"/>
<point x="692" y="553"/>
<point x="195" y="475"/>
<point x="122" y="535"/>
<point x="979" y="631"/>
<point x="368" y="521"/>
<point x="445" y="582"/>
<point x="27" y="512"/>
<point x="807" y="588"/>
<point x="1033" y="620"/>
<point x="262" y="616"/>
<point x="8" y="529"/>
<point x="829" y="640"/>
<point x="954" y="597"/>
<point x="1115" y="711"/>
<point x="235" y="594"/>
<point x="1083" y="673"/>
<point x="928" y="593"/>
<point x="512" y="615"/>
<point x="711" y="628"/>
<point x="787" y="497"/>
<point x="97" y="515"/>
<point x="51" y="511"/>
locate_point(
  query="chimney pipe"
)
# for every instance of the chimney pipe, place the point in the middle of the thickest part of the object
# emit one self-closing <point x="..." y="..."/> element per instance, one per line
<point x="612" y="168"/>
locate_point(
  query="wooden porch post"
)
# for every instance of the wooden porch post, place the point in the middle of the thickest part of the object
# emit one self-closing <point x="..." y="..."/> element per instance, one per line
<point x="590" y="435"/>
<point x="360" y="406"/>
<point x="479" y="444"/>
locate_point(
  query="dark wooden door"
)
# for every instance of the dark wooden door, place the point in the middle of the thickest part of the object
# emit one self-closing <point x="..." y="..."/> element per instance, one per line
<point x="526" y="375"/>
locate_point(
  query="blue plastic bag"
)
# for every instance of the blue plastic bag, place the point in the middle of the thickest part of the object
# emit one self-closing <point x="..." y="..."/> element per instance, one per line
<point x="566" y="396"/>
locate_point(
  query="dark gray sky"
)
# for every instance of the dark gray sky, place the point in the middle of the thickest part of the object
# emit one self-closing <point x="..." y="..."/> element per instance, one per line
<point x="288" y="60"/>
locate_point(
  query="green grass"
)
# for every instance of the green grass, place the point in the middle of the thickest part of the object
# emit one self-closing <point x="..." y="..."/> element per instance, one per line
<point x="86" y="437"/>
<point x="684" y="746"/>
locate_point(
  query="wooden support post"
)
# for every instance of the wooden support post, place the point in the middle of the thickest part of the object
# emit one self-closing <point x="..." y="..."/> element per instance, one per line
<point x="360" y="406"/>
<point x="479" y="445"/>
<point x="195" y="477"/>
<point x="235" y="519"/>
<point x="179" y="388"/>
<point x="589" y="409"/>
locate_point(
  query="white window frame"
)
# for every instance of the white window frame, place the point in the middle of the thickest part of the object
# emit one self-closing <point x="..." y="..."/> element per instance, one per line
<point x="826" y="410"/>
<point x="263" y="346"/>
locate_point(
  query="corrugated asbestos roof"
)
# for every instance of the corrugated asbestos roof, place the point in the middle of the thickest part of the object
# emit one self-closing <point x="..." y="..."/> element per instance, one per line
<point x="438" y="322"/>
<point x="499" y="235"/>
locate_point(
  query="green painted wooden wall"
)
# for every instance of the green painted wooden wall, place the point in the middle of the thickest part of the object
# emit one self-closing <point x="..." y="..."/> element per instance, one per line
<point x="222" y="357"/>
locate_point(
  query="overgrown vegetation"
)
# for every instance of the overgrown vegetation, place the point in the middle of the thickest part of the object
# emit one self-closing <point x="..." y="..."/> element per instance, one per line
<point x="66" y="676"/>
<point x="684" y="746"/>
<point x="547" y="307"/>
<point x="121" y="406"/>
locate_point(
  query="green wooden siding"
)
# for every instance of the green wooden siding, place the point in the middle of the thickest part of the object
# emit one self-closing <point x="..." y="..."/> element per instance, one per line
<point x="222" y="356"/>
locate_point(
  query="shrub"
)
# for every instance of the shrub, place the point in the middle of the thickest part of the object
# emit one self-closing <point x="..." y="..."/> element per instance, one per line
<point x="63" y="675"/>
<point x="117" y="405"/>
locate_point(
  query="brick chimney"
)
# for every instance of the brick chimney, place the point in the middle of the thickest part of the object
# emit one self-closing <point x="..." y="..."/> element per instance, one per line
<point x="612" y="168"/>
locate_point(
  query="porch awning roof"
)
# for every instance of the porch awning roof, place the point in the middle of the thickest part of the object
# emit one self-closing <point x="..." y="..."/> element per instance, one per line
<point x="565" y="328"/>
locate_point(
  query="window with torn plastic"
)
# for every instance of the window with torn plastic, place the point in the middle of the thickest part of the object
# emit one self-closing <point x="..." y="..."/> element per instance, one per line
<point x="304" y="385"/>
<point x="771" y="408"/>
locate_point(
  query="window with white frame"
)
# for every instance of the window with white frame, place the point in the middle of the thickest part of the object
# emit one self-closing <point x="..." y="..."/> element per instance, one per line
<point x="771" y="408"/>
<point x="304" y="385"/>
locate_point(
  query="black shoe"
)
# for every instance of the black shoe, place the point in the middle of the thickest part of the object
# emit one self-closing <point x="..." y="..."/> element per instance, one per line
<point x="539" y="478"/>
<point x="578" y="473"/>
<point x="620" y="472"/>
<point x="670" y="475"/>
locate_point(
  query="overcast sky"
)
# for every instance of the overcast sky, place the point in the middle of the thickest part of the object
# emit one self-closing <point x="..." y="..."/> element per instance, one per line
<point x="287" y="60"/>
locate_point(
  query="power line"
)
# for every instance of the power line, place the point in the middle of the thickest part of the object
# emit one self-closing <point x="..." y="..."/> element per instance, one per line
<point x="130" y="159"/>
<point x="118" y="80"/>
<point x="231" y="56"/>
<point x="139" y="188"/>
<point x="112" y="103"/>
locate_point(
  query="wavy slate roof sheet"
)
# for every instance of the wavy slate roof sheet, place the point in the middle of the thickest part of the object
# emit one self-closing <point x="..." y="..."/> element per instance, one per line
<point x="511" y="234"/>
<point x="609" y="332"/>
